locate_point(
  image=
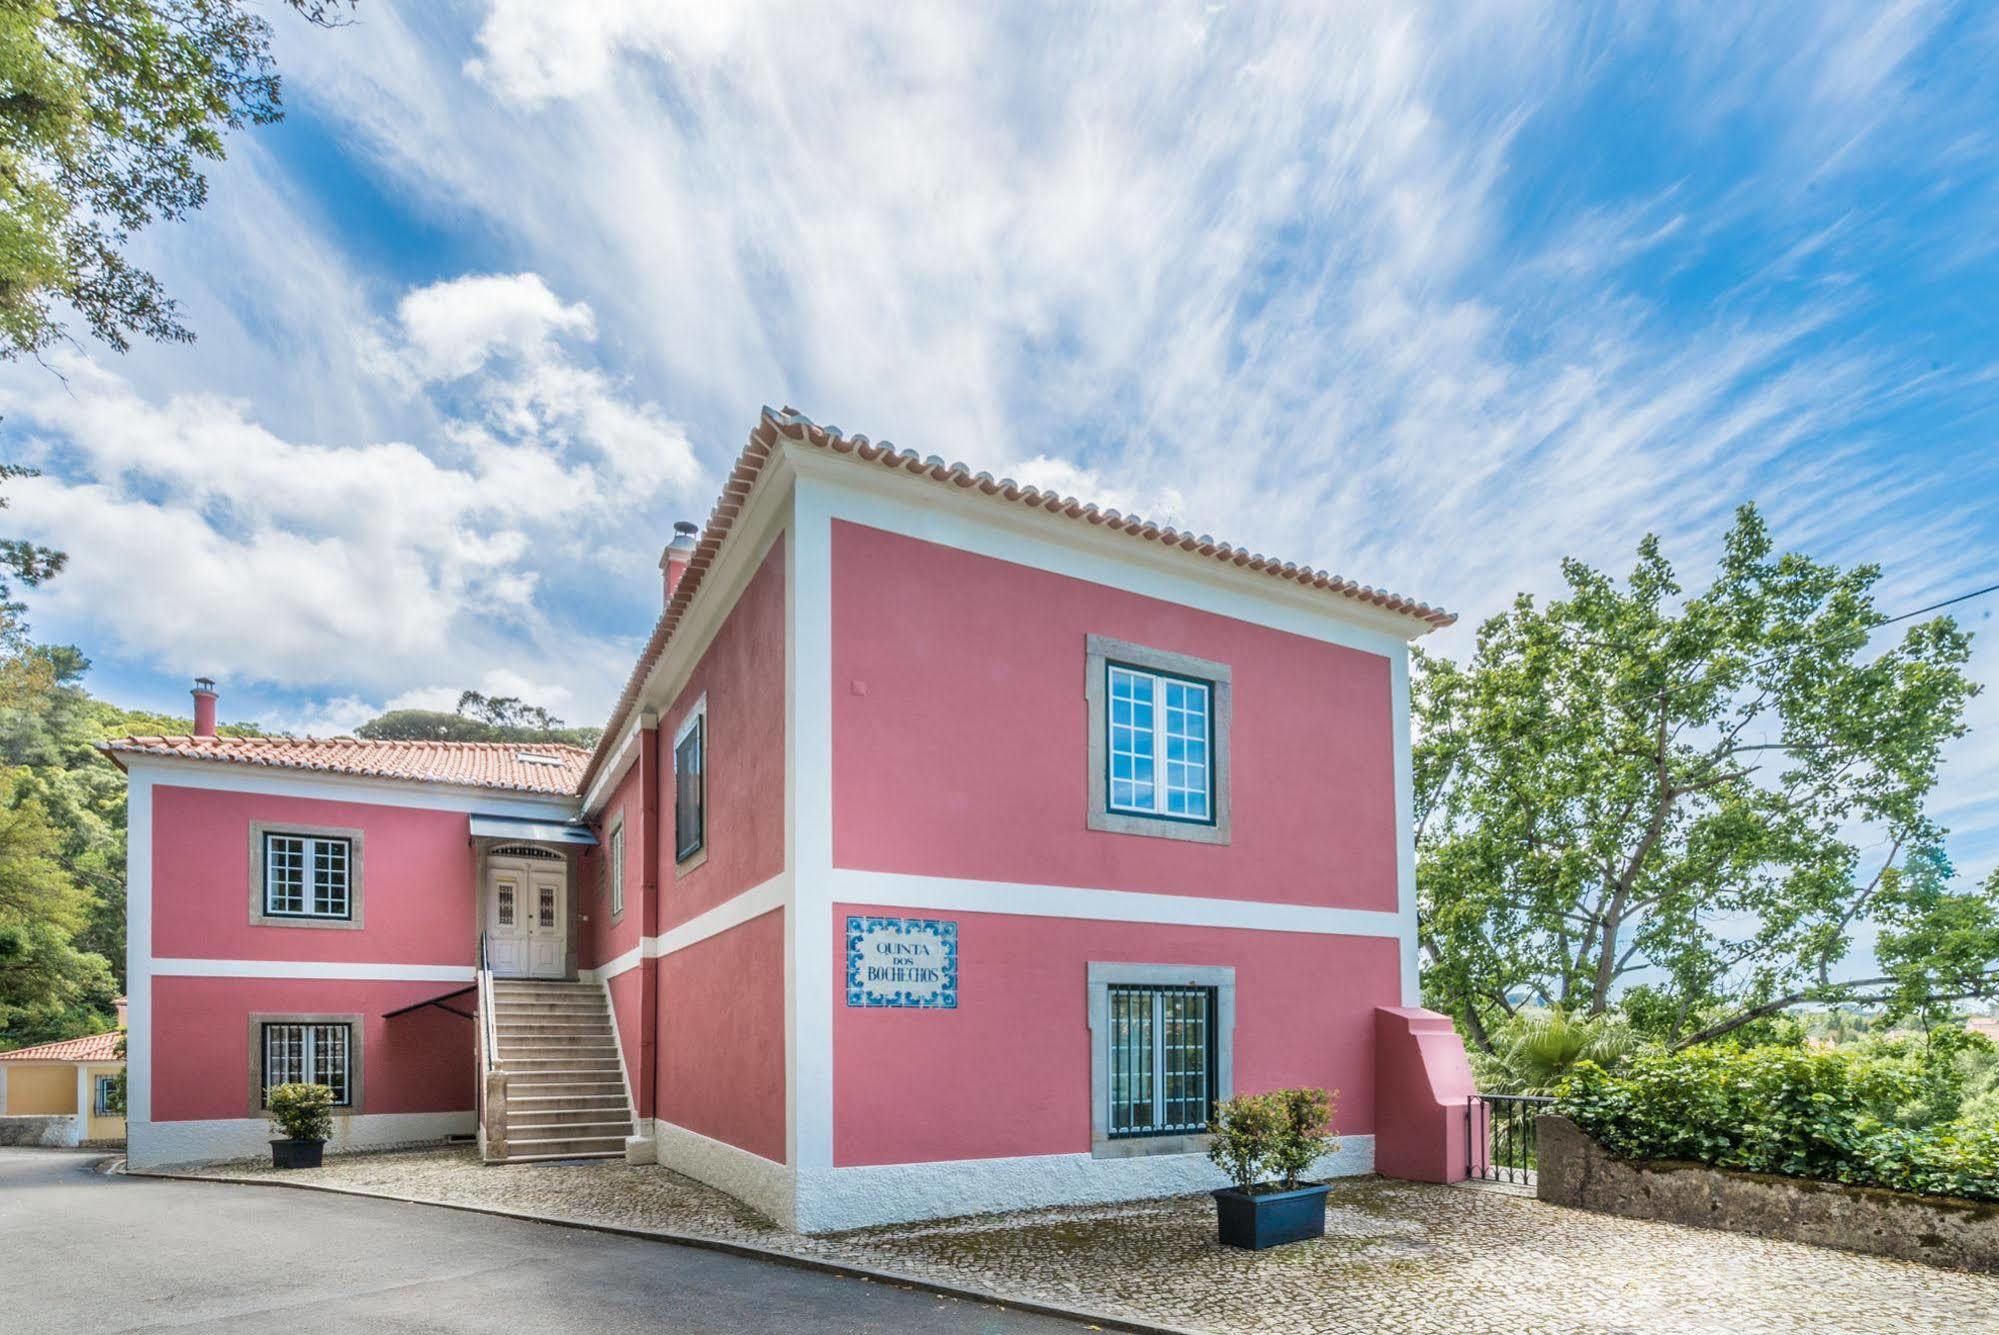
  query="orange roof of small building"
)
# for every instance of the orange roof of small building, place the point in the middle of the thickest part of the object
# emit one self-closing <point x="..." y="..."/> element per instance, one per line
<point x="94" y="1048"/>
<point x="522" y="767"/>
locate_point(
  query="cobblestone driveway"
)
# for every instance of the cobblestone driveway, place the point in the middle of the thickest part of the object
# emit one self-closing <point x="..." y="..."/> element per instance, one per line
<point x="1396" y="1257"/>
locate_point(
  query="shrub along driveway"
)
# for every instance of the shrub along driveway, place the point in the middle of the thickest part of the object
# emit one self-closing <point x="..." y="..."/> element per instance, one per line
<point x="1397" y="1257"/>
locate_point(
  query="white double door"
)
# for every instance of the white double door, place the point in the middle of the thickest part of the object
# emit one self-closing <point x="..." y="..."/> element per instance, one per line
<point x="527" y="917"/>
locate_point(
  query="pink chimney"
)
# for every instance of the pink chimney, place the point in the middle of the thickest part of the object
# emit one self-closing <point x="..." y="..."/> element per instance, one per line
<point x="204" y="707"/>
<point x="673" y="561"/>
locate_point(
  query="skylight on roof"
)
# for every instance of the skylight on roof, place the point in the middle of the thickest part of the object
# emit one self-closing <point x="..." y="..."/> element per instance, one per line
<point x="536" y="758"/>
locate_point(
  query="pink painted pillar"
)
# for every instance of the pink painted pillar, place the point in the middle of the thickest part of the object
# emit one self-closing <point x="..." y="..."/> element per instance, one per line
<point x="1422" y="1083"/>
<point x="650" y="819"/>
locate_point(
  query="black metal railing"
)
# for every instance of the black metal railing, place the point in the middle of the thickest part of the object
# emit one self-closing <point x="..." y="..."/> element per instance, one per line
<point x="1499" y="1137"/>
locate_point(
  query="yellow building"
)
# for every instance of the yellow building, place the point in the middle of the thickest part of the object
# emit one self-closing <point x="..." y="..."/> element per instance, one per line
<point x="68" y="1078"/>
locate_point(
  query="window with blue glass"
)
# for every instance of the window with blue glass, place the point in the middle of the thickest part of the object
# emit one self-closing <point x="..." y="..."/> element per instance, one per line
<point x="1160" y="750"/>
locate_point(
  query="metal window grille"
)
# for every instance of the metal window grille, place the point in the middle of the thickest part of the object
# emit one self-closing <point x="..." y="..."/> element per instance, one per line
<point x="315" y="1054"/>
<point x="1159" y="744"/>
<point x="1161" y="1059"/>
<point x="307" y="877"/>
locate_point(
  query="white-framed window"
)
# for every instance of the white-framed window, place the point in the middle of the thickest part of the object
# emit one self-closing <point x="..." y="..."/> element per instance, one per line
<point x="1158" y="742"/>
<point x="1161" y="744"/>
<point x="614" y="853"/>
<point x="308" y="876"/>
<point x="103" y="1089"/>
<point x="690" y="789"/>
<point x="312" y="1053"/>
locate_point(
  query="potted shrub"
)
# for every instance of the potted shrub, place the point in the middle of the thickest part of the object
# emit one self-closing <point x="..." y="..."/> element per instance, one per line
<point x="1263" y="1142"/>
<point x="304" y="1114"/>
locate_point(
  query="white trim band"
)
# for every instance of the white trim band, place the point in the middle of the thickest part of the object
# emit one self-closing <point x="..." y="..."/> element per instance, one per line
<point x="900" y="890"/>
<point x="752" y="903"/>
<point x="325" y="969"/>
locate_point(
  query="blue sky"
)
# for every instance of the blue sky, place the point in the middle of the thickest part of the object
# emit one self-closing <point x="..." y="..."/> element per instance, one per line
<point x="1426" y="296"/>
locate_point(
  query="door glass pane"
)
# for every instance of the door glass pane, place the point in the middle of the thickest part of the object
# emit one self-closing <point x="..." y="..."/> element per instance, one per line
<point x="505" y="908"/>
<point x="546" y="912"/>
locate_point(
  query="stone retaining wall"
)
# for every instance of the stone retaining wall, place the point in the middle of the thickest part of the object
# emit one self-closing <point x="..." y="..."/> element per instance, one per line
<point x="50" y="1129"/>
<point x="1575" y="1170"/>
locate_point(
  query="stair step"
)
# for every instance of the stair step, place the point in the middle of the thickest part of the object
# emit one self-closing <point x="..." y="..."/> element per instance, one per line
<point x="564" y="1146"/>
<point x="566" y="1102"/>
<point x="551" y="1158"/>
<point x="544" y="1130"/>
<point x="541" y="1079"/>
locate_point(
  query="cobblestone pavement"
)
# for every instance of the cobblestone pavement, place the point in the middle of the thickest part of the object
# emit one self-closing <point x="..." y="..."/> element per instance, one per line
<point x="1397" y="1256"/>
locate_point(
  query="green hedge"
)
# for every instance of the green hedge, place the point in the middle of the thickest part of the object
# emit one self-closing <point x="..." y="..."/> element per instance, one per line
<point x="1828" y="1115"/>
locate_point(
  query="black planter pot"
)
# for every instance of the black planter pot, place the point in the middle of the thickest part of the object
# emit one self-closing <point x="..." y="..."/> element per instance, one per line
<point x="297" y="1153"/>
<point x="1271" y="1218"/>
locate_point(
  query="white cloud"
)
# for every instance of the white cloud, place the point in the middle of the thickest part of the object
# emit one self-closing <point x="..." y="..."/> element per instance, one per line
<point x="202" y="540"/>
<point x="452" y="328"/>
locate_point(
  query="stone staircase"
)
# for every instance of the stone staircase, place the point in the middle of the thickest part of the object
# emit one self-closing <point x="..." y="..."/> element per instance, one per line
<point x="565" y="1085"/>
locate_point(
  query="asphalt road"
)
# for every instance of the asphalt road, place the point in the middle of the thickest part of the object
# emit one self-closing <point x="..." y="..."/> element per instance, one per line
<point x="82" y="1251"/>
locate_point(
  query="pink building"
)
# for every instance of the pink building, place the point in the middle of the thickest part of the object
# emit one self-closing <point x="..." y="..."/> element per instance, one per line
<point x="952" y="847"/>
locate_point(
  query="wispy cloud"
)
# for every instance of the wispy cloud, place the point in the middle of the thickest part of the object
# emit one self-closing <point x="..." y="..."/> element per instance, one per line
<point x="1429" y="295"/>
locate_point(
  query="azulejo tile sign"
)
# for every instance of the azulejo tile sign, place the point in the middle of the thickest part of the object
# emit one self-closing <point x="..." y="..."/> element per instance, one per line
<point x="902" y="962"/>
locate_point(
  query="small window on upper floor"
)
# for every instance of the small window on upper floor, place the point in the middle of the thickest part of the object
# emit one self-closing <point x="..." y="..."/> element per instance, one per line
<point x="690" y="788"/>
<point x="614" y="858"/>
<point x="1158" y="743"/>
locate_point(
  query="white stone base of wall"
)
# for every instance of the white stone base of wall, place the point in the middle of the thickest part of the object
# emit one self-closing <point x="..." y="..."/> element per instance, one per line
<point x="831" y="1199"/>
<point x="827" y="1200"/>
<point x="161" y="1144"/>
<point x="750" y="1178"/>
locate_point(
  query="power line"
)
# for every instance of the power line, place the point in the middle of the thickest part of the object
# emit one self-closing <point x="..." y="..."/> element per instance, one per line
<point x="1962" y="597"/>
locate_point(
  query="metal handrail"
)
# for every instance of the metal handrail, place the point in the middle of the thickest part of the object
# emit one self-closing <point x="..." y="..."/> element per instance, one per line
<point x="488" y="1037"/>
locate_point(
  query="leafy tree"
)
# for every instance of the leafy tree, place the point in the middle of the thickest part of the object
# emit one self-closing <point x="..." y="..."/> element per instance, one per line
<point x="46" y="983"/>
<point x="50" y="727"/>
<point x="480" y="718"/>
<point x="111" y="108"/>
<point x="1707" y="793"/>
<point x="1533" y="1052"/>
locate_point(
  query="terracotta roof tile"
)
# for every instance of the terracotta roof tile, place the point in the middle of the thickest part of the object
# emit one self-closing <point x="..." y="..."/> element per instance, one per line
<point x="503" y="765"/>
<point x="789" y="424"/>
<point x="95" y="1048"/>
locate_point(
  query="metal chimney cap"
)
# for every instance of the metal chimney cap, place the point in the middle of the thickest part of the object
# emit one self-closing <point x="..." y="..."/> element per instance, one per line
<point x="204" y="686"/>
